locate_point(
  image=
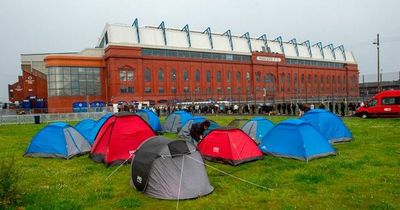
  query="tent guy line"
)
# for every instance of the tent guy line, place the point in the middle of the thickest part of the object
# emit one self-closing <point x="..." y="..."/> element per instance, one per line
<point x="233" y="176"/>
<point x="112" y="173"/>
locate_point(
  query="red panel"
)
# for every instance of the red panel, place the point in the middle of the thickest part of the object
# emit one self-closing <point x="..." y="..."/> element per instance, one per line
<point x="232" y="144"/>
<point x="120" y="136"/>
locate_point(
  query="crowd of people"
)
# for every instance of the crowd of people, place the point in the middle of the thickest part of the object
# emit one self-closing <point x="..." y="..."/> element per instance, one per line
<point x="290" y="109"/>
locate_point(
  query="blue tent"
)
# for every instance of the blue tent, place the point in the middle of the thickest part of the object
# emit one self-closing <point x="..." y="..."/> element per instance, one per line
<point x="89" y="130"/>
<point x="151" y="118"/>
<point x="84" y="125"/>
<point x="330" y="125"/>
<point x="175" y="121"/>
<point x="296" y="139"/>
<point x="184" y="132"/>
<point x="57" y="140"/>
<point x="257" y="128"/>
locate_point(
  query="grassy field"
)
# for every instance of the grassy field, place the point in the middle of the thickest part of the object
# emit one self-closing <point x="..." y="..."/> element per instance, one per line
<point x="364" y="175"/>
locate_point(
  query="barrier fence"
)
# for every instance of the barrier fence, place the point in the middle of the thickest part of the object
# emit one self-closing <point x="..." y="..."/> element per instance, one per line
<point x="368" y="85"/>
<point x="46" y="118"/>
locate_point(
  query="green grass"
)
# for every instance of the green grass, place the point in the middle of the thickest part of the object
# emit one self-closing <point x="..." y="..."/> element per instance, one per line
<point x="364" y="175"/>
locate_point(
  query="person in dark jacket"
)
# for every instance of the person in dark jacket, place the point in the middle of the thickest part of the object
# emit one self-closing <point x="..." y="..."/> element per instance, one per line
<point x="197" y="130"/>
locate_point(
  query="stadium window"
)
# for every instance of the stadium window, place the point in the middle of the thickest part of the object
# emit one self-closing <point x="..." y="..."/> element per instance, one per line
<point x="173" y="75"/>
<point x="147" y="90"/>
<point x="269" y="78"/>
<point x="258" y="75"/>
<point x="238" y="77"/>
<point x="186" y="89"/>
<point x="282" y="78"/>
<point x="147" y="76"/>
<point x="73" y="81"/>
<point x="129" y="75"/>
<point x="218" y="76"/>
<point x="185" y="75"/>
<point x="208" y="76"/>
<point x="197" y="75"/>
<point x="228" y="76"/>
<point x="161" y="75"/>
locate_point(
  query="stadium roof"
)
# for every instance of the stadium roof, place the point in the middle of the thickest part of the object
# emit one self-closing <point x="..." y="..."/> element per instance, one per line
<point x="186" y="39"/>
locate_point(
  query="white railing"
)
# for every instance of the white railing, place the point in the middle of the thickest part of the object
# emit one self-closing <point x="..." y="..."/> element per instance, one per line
<point x="45" y="118"/>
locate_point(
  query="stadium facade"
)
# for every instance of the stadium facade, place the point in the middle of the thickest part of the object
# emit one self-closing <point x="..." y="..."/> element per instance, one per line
<point x="163" y="65"/>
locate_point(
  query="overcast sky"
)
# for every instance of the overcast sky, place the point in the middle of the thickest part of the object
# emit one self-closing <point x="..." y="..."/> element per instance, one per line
<point x="41" y="26"/>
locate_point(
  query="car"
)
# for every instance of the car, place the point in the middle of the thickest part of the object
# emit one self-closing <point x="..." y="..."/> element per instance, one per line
<point x="383" y="104"/>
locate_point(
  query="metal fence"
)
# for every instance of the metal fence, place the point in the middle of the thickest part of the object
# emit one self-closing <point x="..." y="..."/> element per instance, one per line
<point x="368" y="85"/>
<point x="46" y="118"/>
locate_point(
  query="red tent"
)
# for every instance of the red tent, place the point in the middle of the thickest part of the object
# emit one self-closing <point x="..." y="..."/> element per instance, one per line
<point x="231" y="146"/>
<point x="119" y="137"/>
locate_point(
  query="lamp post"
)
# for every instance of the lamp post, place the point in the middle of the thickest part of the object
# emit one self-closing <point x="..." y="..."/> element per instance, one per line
<point x="378" y="62"/>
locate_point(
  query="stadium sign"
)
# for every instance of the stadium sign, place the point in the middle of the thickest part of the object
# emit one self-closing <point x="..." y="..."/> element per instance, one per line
<point x="268" y="59"/>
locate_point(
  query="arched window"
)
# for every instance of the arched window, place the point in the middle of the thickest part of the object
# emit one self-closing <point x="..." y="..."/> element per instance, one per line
<point x="295" y="78"/>
<point x="322" y="79"/>
<point x="185" y="75"/>
<point x="173" y="75"/>
<point x="269" y="78"/>
<point x="282" y="78"/>
<point x="328" y="79"/>
<point x="147" y="75"/>
<point x="197" y="75"/>
<point x="248" y="76"/>
<point x="208" y="76"/>
<point x="258" y="75"/>
<point x="218" y="76"/>
<point x="161" y="75"/>
<point x="302" y="78"/>
<point x="228" y="76"/>
<point x="288" y="78"/>
<point x="238" y="76"/>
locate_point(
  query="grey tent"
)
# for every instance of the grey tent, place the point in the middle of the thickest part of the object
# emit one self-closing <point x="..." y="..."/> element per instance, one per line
<point x="184" y="132"/>
<point x="169" y="169"/>
<point x="175" y="121"/>
<point x="257" y="128"/>
<point x="58" y="140"/>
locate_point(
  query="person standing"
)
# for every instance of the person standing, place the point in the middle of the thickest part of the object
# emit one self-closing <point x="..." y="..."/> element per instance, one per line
<point x="342" y="108"/>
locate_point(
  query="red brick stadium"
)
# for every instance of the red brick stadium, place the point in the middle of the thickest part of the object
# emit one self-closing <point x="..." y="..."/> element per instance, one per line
<point x="165" y="65"/>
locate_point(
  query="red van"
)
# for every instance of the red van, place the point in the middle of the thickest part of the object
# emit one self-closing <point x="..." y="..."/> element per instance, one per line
<point x="383" y="104"/>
